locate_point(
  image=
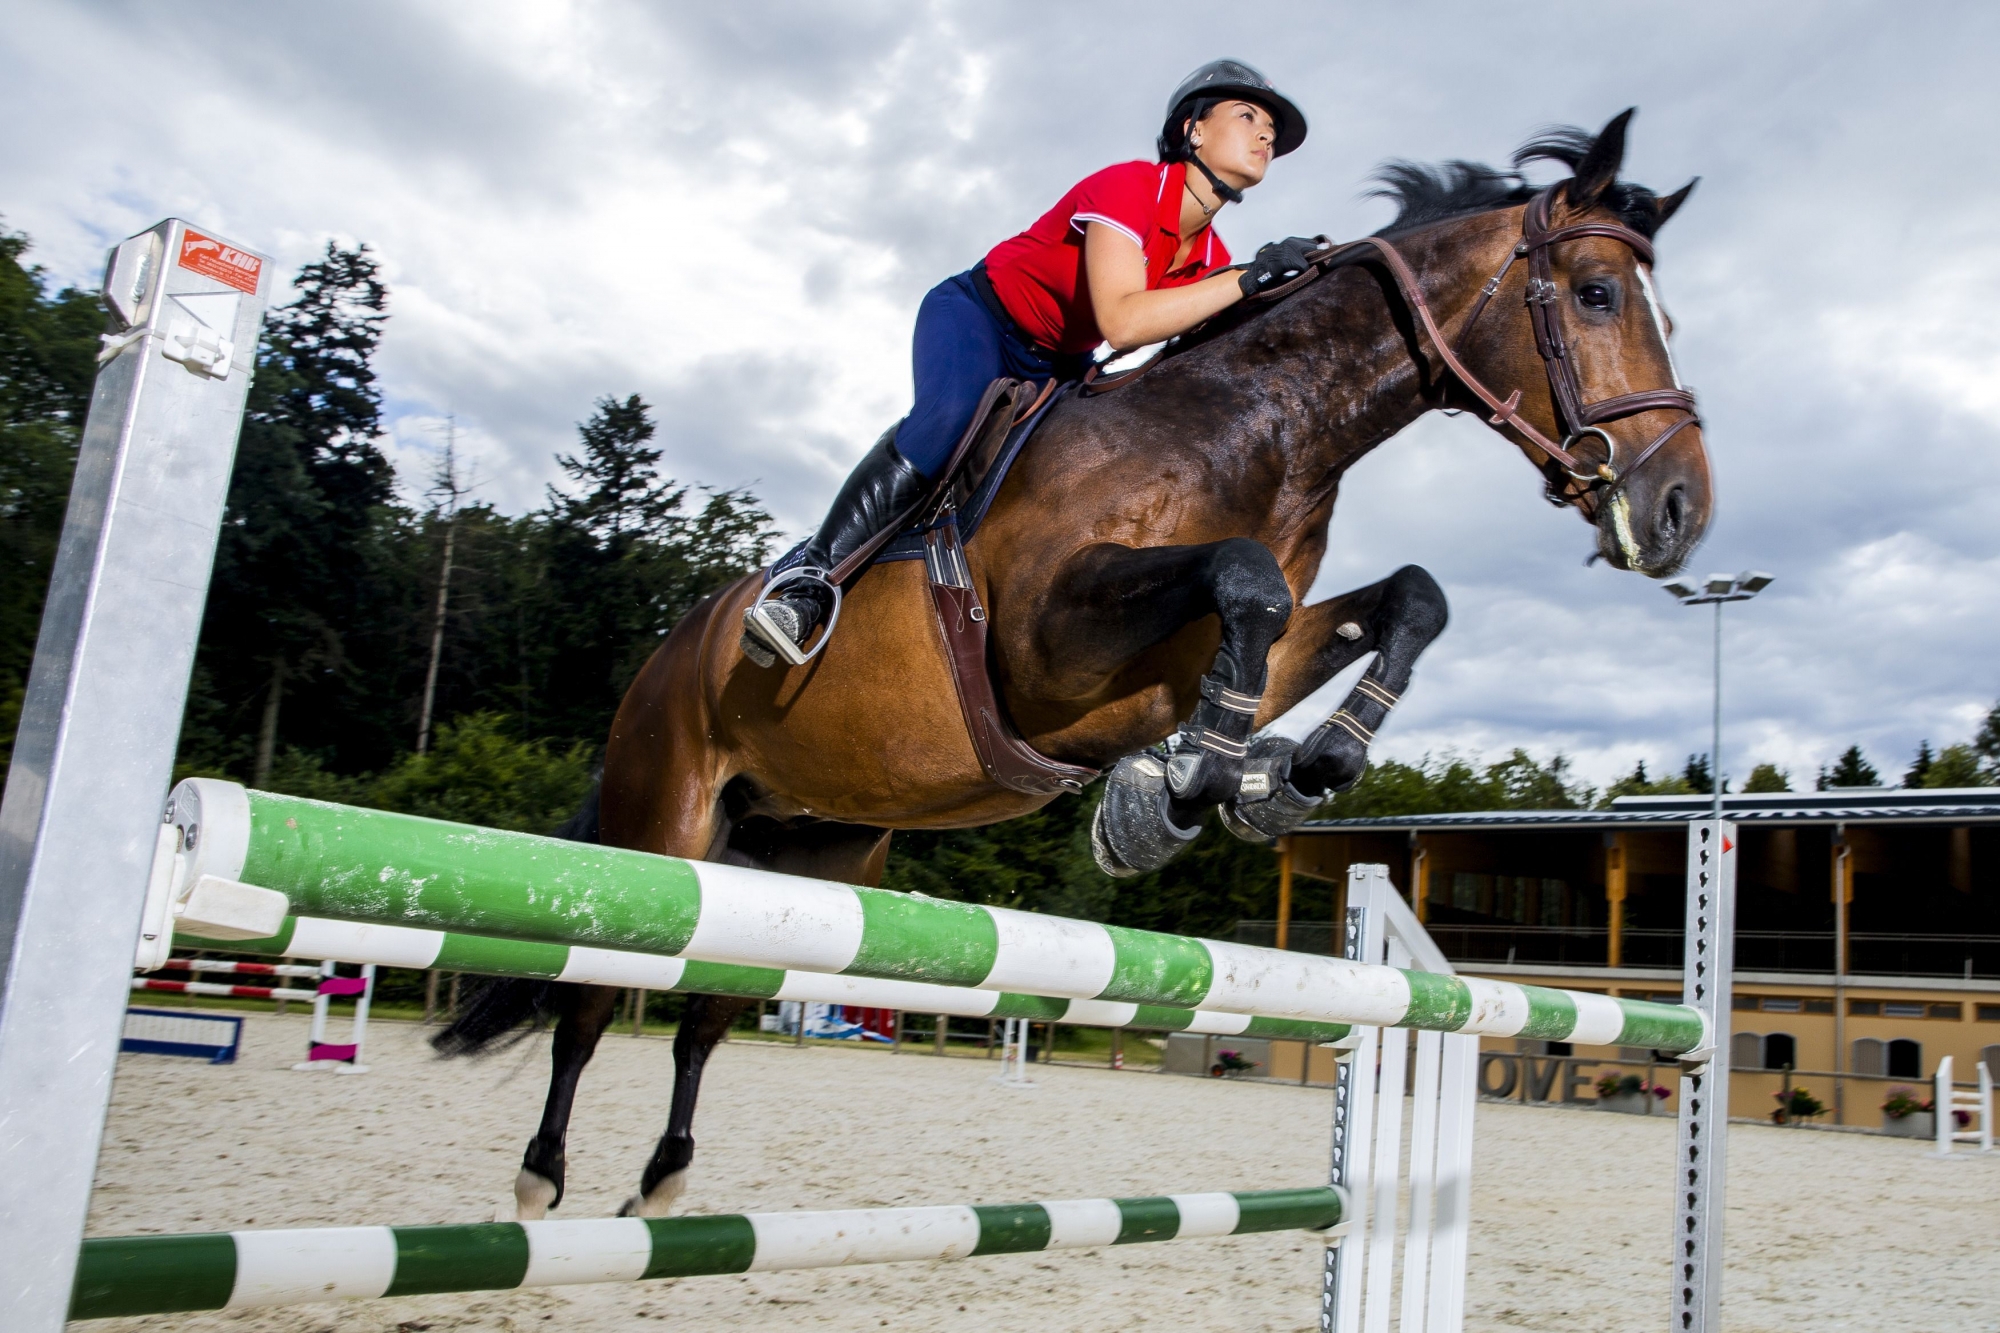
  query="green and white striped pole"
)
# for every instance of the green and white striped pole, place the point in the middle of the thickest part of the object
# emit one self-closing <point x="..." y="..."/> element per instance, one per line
<point x="372" y="866"/>
<point x="139" y="1275"/>
<point x="404" y="946"/>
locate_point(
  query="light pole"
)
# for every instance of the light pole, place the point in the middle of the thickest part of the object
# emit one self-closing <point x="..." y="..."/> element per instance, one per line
<point x="1717" y="589"/>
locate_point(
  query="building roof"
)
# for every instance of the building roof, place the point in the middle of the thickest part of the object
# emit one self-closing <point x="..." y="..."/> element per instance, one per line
<point x="1842" y="805"/>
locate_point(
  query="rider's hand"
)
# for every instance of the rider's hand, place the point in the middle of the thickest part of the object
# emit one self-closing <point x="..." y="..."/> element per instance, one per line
<point x="1278" y="262"/>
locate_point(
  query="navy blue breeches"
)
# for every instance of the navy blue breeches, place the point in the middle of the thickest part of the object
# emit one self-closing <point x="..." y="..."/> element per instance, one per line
<point x="959" y="348"/>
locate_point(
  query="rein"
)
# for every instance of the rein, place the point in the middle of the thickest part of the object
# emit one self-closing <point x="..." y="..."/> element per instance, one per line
<point x="1576" y="417"/>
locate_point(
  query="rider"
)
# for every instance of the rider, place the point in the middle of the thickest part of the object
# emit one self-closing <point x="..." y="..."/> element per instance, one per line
<point x="1126" y="257"/>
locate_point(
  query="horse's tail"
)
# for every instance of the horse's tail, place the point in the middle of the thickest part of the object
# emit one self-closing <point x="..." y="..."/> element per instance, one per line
<point x="498" y="1006"/>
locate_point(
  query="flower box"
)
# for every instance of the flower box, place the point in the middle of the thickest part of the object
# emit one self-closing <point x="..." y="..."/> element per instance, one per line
<point x="1626" y="1103"/>
<point x="1915" y="1125"/>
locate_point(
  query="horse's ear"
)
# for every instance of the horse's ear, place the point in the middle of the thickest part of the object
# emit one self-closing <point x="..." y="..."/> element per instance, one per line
<point x="1667" y="207"/>
<point x="1600" y="165"/>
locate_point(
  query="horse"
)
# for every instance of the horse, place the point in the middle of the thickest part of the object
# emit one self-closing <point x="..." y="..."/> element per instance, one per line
<point x="1141" y="569"/>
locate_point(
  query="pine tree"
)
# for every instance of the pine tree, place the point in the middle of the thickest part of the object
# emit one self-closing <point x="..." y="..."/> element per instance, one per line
<point x="1852" y="769"/>
<point x="1920" y="767"/>
<point x="622" y="494"/>
<point x="297" y="589"/>
<point x="1696" y="774"/>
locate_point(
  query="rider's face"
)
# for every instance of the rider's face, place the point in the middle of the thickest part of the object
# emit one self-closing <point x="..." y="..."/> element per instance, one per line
<point x="1235" y="139"/>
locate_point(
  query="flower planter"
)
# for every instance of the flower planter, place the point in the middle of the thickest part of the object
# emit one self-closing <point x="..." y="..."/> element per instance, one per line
<point x="1915" y="1125"/>
<point x="1626" y="1103"/>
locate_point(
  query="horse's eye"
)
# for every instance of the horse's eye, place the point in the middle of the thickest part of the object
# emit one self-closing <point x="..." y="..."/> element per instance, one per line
<point x="1594" y="296"/>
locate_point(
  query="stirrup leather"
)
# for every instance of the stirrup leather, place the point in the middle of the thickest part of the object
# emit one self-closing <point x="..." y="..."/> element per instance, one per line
<point x="775" y="637"/>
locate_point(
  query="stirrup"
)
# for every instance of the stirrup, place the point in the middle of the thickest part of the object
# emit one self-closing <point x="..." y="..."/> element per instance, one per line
<point x="772" y="635"/>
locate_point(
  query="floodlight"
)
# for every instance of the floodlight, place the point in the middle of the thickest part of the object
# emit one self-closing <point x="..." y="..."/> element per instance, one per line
<point x="1753" y="581"/>
<point x="1719" y="585"/>
<point x="1679" y="589"/>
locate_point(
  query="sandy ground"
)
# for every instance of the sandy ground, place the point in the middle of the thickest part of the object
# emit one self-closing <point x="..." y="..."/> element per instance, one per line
<point x="1570" y="1207"/>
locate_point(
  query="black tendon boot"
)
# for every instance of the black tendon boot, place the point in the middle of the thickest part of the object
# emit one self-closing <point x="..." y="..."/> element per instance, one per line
<point x="880" y="491"/>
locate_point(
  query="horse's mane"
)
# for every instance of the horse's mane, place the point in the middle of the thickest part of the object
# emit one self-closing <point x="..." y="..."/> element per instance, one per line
<point x="1425" y="193"/>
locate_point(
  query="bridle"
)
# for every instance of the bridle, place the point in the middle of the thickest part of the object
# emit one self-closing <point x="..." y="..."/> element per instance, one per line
<point x="1572" y="480"/>
<point x="1576" y="417"/>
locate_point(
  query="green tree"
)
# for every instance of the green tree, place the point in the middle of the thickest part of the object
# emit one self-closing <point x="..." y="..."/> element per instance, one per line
<point x="1441" y="785"/>
<point x="297" y="586"/>
<point x="1768" y="778"/>
<point x="1852" y="769"/>
<point x="1957" y="766"/>
<point x="1639" y="783"/>
<point x="1696" y="775"/>
<point x="48" y="346"/>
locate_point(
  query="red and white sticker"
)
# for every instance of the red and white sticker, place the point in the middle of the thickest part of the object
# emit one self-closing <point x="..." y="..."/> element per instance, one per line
<point x="223" y="262"/>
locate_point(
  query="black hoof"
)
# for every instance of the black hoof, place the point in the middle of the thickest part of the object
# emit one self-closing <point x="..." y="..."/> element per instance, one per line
<point x="1267" y="805"/>
<point x="1134" y="830"/>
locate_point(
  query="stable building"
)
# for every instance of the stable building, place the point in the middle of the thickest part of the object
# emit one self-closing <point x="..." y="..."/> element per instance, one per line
<point x="1867" y="946"/>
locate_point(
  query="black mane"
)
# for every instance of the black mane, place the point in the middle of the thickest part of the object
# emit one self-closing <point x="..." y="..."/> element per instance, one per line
<point x="1425" y="193"/>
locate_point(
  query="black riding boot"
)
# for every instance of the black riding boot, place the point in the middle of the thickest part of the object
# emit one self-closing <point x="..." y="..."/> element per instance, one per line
<point x="880" y="491"/>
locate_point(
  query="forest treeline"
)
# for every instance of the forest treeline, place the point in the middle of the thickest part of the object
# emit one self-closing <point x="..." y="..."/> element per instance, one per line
<point x="317" y="644"/>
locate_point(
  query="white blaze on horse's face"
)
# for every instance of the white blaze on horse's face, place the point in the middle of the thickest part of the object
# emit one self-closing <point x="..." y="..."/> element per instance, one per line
<point x="1659" y="314"/>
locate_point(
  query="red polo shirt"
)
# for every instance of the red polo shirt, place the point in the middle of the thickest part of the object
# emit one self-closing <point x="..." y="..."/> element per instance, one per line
<point x="1038" y="275"/>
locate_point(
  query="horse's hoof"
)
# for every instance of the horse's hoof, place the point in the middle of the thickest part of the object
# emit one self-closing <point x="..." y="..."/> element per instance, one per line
<point x="1134" y="829"/>
<point x="534" y="1195"/>
<point x="658" y="1201"/>
<point x="1267" y="806"/>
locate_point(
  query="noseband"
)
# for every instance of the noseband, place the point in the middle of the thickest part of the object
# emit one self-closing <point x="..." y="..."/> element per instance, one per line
<point x="1576" y="418"/>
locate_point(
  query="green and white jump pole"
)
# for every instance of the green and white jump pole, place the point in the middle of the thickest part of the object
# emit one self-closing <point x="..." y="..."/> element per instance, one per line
<point x="404" y="946"/>
<point x="234" y="862"/>
<point x="138" y="1275"/>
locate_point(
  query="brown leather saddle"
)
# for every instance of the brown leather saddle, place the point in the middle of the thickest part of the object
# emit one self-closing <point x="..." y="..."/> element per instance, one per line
<point x="1007" y="406"/>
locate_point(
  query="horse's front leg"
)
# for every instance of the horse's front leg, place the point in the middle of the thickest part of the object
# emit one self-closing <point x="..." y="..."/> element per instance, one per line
<point x="1118" y="601"/>
<point x="1285" y="780"/>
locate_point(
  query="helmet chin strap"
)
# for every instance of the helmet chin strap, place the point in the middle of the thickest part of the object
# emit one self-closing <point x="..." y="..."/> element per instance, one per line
<point x="1229" y="193"/>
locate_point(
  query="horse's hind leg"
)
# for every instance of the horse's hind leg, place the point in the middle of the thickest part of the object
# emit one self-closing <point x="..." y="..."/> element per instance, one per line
<point x="1396" y="619"/>
<point x="586" y="1011"/>
<point x="703" y="1023"/>
<point x="843" y="852"/>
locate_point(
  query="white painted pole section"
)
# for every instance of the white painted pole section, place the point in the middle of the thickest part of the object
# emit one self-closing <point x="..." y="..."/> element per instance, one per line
<point x="1388" y="1157"/>
<point x="1423" y="1179"/>
<point x="1943" y="1122"/>
<point x="1457" y="1092"/>
<point x="1985" y="1108"/>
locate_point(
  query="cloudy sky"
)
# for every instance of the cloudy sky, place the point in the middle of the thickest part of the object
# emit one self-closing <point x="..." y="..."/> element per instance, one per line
<point x="734" y="210"/>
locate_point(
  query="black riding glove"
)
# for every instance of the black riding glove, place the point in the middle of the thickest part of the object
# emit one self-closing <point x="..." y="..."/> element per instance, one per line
<point x="1278" y="262"/>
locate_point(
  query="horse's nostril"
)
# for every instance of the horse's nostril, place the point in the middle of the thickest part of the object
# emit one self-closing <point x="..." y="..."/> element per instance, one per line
<point x="1673" y="512"/>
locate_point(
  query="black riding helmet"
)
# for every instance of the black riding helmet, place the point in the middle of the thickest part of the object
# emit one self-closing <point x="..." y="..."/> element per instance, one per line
<point x="1217" y="81"/>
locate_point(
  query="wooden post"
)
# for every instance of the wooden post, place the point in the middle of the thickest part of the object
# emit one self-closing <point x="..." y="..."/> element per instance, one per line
<point x="451" y="1003"/>
<point x="989" y="1039"/>
<point x="941" y="1032"/>
<point x="895" y="1032"/>
<point x="1614" y="895"/>
<point x="430" y="996"/>
<point x="639" y="1015"/>
<point x="1419" y="879"/>
<point x="1118" y="1048"/>
<point x="1843" y="894"/>
<point x="1284" y="893"/>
